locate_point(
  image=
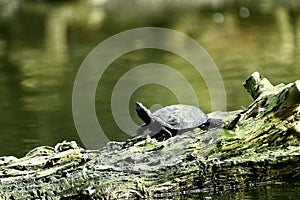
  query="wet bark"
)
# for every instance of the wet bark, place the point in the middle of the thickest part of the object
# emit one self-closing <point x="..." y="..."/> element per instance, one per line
<point x="259" y="144"/>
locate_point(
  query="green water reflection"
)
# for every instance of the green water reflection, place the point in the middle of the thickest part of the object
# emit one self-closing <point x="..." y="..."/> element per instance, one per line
<point x="43" y="44"/>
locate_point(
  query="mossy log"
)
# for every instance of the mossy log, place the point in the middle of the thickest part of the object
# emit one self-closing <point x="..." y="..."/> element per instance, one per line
<point x="259" y="144"/>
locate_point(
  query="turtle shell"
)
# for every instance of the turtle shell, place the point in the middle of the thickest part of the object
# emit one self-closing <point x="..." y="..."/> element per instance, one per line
<point x="181" y="116"/>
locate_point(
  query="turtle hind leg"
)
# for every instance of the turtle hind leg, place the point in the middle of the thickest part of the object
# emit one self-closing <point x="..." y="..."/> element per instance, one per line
<point x="212" y="123"/>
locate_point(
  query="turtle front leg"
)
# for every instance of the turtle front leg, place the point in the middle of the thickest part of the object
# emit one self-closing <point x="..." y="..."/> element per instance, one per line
<point x="163" y="129"/>
<point x="163" y="134"/>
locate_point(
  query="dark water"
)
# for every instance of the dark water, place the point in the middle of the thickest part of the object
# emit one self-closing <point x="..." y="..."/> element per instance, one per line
<point x="43" y="44"/>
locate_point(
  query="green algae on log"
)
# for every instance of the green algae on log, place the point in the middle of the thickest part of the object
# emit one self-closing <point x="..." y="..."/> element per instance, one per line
<point x="259" y="144"/>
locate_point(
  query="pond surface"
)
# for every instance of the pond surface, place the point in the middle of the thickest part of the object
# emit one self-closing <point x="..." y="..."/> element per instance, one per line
<point x="43" y="44"/>
<point x="274" y="192"/>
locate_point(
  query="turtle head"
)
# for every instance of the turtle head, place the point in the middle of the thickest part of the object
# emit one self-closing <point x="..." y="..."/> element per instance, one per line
<point x="143" y="112"/>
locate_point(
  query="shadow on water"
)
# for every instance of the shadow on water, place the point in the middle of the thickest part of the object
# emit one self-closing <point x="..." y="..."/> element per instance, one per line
<point x="43" y="44"/>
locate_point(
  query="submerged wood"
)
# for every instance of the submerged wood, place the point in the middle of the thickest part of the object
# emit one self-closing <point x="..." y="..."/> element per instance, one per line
<point x="259" y="144"/>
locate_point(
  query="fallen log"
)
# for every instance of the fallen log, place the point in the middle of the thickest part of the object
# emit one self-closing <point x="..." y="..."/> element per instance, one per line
<point x="259" y="144"/>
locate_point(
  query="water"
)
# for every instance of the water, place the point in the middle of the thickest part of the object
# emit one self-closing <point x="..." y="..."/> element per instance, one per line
<point x="274" y="192"/>
<point x="43" y="44"/>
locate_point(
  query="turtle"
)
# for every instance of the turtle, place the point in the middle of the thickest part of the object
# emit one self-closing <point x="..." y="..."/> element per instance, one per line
<point x="171" y="120"/>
